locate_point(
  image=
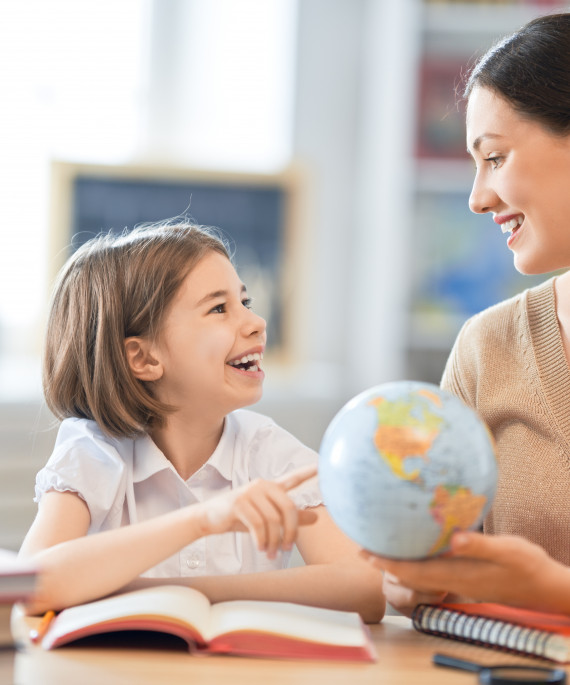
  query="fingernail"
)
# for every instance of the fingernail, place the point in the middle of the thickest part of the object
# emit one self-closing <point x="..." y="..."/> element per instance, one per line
<point x="460" y="539"/>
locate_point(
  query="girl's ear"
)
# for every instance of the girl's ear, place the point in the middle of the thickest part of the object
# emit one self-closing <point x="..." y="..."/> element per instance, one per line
<point x="143" y="364"/>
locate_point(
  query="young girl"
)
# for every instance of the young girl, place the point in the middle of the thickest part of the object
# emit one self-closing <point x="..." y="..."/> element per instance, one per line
<point x="152" y="350"/>
<point x="511" y="362"/>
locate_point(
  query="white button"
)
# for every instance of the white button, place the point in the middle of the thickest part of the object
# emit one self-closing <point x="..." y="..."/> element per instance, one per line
<point x="194" y="560"/>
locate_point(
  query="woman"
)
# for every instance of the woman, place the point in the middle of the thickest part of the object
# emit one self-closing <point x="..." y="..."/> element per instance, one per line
<point x="510" y="362"/>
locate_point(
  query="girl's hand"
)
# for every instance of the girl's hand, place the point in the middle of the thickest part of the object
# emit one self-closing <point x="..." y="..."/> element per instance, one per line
<point x="262" y="508"/>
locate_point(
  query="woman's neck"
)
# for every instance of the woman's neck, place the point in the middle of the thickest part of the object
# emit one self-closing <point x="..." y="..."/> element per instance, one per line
<point x="187" y="444"/>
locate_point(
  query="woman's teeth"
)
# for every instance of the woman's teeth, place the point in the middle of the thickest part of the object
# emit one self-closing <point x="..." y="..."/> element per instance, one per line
<point x="510" y="225"/>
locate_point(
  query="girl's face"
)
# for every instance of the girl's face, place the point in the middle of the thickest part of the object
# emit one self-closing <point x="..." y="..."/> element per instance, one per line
<point x="522" y="178"/>
<point x="211" y="343"/>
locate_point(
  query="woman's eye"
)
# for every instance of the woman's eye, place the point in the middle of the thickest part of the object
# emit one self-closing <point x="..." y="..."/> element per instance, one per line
<point x="494" y="161"/>
<point x="218" y="309"/>
<point x="247" y="302"/>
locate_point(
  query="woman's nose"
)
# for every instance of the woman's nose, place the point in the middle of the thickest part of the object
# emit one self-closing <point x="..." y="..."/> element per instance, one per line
<point x="483" y="198"/>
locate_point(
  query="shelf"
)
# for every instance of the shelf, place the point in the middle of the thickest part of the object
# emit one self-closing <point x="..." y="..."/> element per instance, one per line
<point x="474" y="18"/>
<point x="435" y="331"/>
<point x="444" y="175"/>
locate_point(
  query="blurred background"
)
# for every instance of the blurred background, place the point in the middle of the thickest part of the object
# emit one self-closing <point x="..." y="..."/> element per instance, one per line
<point x="323" y="136"/>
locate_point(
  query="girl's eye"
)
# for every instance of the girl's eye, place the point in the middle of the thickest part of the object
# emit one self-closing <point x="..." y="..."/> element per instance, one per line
<point x="247" y="302"/>
<point x="218" y="309"/>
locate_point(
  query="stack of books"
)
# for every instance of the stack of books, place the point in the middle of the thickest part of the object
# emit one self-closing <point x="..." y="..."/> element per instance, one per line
<point x="17" y="584"/>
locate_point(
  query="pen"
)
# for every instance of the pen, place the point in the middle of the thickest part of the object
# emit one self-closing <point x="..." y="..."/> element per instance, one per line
<point x="37" y="633"/>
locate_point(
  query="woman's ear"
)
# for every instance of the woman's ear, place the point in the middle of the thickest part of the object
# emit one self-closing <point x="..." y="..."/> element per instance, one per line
<point x="141" y="361"/>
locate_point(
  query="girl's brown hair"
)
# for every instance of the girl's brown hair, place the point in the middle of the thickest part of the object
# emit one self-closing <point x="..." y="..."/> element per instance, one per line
<point x="112" y="288"/>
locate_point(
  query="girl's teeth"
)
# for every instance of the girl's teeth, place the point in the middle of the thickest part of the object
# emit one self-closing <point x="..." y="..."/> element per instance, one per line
<point x="250" y="358"/>
<point x="257" y="357"/>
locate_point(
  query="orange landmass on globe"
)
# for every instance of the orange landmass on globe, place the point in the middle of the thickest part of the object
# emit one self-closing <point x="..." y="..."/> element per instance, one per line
<point x="454" y="508"/>
<point x="400" y="435"/>
<point x="431" y="396"/>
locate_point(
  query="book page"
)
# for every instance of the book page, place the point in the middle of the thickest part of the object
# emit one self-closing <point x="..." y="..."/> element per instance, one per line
<point x="182" y="604"/>
<point x="291" y="620"/>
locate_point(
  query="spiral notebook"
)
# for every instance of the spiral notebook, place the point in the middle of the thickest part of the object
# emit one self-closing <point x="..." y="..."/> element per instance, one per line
<point x="500" y="627"/>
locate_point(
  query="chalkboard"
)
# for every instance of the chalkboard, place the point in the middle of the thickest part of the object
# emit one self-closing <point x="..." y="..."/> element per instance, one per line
<point x="250" y="213"/>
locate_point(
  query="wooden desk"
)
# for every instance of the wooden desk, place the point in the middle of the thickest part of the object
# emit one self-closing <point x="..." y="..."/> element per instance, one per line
<point x="404" y="658"/>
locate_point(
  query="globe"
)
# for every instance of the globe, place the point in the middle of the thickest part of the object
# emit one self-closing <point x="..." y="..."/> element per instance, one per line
<point x="403" y="465"/>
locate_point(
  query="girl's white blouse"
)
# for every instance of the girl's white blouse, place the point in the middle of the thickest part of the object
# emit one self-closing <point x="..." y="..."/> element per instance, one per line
<point x="126" y="480"/>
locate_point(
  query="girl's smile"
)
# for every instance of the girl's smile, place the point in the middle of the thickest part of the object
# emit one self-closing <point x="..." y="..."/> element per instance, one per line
<point x="249" y="362"/>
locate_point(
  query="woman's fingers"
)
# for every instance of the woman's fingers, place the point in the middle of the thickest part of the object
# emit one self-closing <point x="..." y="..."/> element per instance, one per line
<point x="403" y="598"/>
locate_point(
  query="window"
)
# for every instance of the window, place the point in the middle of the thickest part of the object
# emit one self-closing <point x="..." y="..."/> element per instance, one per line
<point x="101" y="81"/>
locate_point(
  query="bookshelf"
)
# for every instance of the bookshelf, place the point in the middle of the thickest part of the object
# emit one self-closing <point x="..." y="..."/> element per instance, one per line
<point x="460" y="264"/>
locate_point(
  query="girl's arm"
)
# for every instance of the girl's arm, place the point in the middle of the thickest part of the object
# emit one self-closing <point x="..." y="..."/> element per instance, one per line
<point x="76" y="567"/>
<point x="334" y="577"/>
<point x="489" y="568"/>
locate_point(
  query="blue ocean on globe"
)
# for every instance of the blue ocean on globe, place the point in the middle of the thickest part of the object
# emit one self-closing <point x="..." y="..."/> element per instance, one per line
<point x="403" y="465"/>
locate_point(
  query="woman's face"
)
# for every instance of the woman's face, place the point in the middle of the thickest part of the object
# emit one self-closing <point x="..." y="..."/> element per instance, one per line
<point x="523" y="179"/>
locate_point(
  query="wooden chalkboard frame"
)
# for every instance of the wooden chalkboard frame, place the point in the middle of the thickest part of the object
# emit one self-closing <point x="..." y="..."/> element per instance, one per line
<point x="270" y="283"/>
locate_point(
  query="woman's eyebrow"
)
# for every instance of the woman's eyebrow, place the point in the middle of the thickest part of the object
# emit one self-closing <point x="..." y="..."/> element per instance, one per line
<point x="484" y="136"/>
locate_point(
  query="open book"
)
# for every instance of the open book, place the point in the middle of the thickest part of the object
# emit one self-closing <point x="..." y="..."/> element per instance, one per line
<point x="506" y="628"/>
<point x="273" y="629"/>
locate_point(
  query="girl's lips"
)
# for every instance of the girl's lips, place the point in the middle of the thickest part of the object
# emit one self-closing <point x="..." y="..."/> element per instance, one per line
<point x="248" y="364"/>
<point x="256" y="353"/>
<point x="254" y="372"/>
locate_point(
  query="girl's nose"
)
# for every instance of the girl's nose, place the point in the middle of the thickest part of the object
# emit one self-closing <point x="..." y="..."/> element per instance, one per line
<point x="255" y="324"/>
<point x="482" y="198"/>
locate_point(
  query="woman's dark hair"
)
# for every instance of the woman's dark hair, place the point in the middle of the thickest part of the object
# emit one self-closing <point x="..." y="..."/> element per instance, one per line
<point x="531" y="70"/>
<point x="114" y="287"/>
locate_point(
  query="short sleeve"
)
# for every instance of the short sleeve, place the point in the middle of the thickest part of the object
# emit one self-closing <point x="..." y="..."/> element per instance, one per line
<point x="274" y="452"/>
<point x="86" y="462"/>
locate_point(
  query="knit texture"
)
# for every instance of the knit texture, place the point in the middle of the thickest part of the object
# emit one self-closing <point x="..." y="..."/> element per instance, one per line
<point x="508" y="363"/>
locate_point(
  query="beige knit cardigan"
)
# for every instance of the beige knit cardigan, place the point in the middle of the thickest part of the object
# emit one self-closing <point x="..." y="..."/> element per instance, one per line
<point x="508" y="363"/>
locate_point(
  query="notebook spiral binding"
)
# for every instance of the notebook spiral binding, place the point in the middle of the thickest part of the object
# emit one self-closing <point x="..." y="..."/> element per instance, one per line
<point x="479" y="630"/>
